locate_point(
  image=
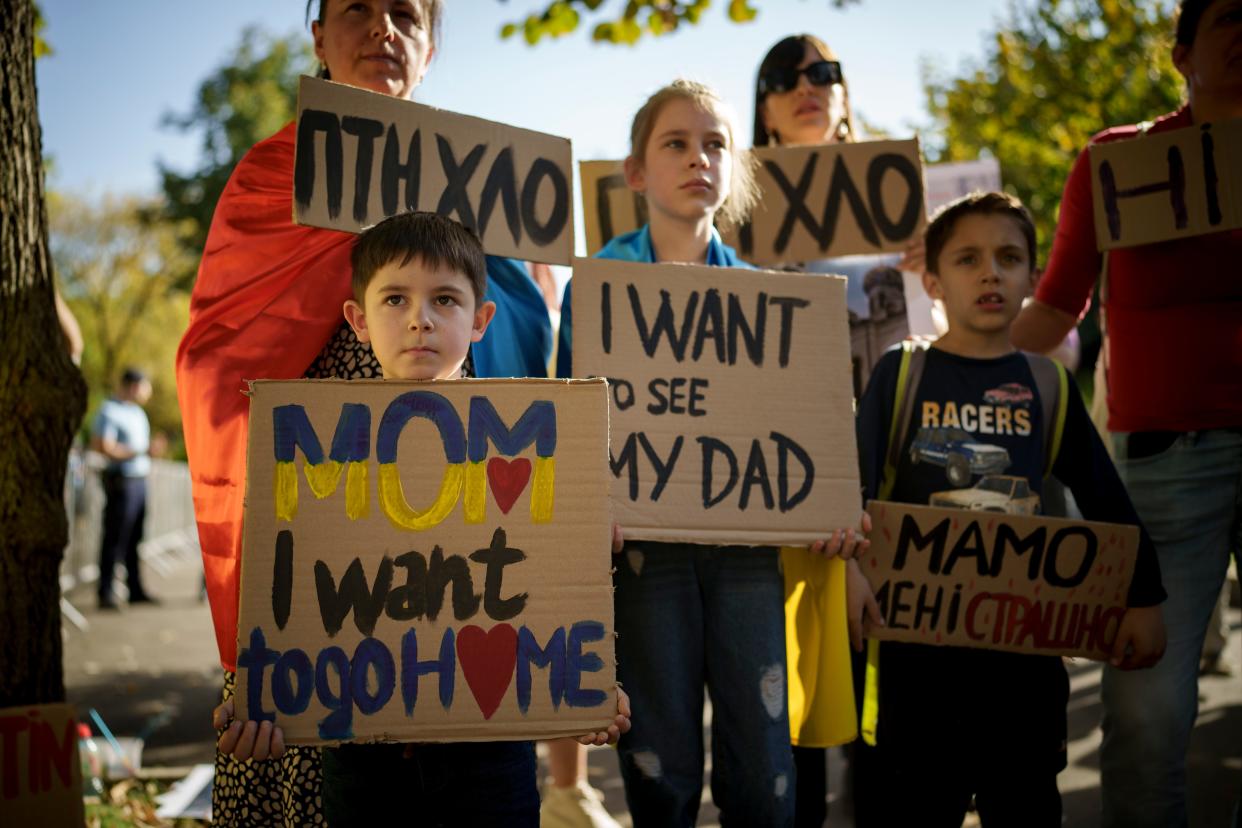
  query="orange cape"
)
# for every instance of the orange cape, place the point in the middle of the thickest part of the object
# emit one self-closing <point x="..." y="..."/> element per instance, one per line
<point x="268" y="297"/>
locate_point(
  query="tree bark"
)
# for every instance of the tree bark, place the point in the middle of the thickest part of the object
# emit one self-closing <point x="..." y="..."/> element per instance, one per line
<point x="42" y="395"/>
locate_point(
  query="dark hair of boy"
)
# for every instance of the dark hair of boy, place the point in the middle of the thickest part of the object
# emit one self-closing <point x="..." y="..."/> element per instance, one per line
<point x="940" y="228"/>
<point x="436" y="240"/>
<point x="132" y="376"/>
<point x="1188" y="14"/>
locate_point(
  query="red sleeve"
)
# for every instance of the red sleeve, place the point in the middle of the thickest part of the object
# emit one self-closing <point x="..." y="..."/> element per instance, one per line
<point x="267" y="298"/>
<point x="1075" y="262"/>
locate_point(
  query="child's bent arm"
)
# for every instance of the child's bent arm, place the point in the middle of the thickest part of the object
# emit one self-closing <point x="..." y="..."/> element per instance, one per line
<point x="863" y="612"/>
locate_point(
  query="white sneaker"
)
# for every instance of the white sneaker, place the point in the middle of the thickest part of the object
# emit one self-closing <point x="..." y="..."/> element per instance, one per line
<point x="580" y="806"/>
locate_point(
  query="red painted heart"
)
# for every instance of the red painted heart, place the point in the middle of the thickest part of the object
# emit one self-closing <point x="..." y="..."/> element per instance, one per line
<point x="507" y="478"/>
<point x="487" y="660"/>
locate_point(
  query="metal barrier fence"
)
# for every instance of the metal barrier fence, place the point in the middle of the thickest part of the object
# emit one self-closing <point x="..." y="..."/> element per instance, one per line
<point x="170" y="538"/>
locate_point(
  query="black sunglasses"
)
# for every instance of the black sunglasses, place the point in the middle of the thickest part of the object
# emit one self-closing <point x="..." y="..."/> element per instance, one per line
<point x="819" y="73"/>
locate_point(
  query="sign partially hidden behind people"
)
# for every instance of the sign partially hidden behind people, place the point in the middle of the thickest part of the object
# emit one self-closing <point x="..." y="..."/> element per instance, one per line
<point x="1168" y="185"/>
<point x="732" y="419"/>
<point x="427" y="561"/>
<point x="833" y="200"/>
<point x="814" y="203"/>
<point x="954" y="179"/>
<point x="998" y="581"/>
<point x="609" y="207"/>
<point x="362" y="156"/>
<point x="40" y="776"/>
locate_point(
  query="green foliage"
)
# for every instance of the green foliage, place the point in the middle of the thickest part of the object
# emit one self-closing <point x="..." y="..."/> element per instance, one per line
<point x="637" y="18"/>
<point x="41" y="47"/>
<point x="117" y="273"/>
<point x="247" y="99"/>
<point x="1054" y="74"/>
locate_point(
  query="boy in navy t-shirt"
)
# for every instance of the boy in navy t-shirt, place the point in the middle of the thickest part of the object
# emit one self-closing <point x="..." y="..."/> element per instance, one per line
<point x="957" y="723"/>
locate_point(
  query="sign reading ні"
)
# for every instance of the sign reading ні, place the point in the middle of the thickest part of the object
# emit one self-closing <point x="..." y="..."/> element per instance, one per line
<point x="732" y="416"/>
<point x="998" y="581"/>
<point x="362" y="156"/>
<point x="40" y="776"/>
<point x="1167" y="185"/>
<point x="427" y="561"/>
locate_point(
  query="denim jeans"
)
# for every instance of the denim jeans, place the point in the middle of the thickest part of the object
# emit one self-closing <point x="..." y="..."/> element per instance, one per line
<point x="689" y="616"/>
<point x="483" y="784"/>
<point x="1188" y="498"/>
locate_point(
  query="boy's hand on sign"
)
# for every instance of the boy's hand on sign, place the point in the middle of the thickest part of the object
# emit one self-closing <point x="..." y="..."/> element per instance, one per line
<point x="848" y="543"/>
<point x="621" y="724"/>
<point x="863" y="612"/>
<point x="1140" y="639"/>
<point x="618" y="539"/>
<point x="246" y="740"/>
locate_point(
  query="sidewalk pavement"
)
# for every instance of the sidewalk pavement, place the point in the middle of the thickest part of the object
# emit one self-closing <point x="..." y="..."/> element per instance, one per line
<point x="152" y="671"/>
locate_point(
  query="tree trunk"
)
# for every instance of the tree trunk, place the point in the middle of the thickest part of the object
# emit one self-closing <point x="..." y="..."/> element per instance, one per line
<point x="42" y="396"/>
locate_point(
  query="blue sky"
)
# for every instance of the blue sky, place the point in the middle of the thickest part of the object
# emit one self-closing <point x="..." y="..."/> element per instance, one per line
<point x="119" y="66"/>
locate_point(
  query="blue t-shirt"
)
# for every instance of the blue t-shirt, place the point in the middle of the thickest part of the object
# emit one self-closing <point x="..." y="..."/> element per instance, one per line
<point x="126" y="424"/>
<point x="518" y="342"/>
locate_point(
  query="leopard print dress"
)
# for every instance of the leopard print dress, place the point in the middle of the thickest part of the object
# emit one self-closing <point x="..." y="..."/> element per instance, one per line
<point x="284" y="793"/>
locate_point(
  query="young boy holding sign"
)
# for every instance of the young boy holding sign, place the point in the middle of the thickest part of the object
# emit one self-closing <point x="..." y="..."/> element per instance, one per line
<point x="953" y="722"/>
<point x="419" y="281"/>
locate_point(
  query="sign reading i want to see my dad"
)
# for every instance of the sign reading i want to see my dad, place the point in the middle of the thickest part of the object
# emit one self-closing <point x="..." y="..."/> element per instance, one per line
<point x="427" y="561"/>
<point x="732" y="417"/>
<point x="362" y="156"/>
<point x="998" y="581"/>
<point x="1168" y="185"/>
<point x="815" y="202"/>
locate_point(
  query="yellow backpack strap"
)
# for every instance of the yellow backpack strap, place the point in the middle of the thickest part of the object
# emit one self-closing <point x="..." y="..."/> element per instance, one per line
<point x="1052" y="383"/>
<point x="909" y="374"/>
<point x="871" y="692"/>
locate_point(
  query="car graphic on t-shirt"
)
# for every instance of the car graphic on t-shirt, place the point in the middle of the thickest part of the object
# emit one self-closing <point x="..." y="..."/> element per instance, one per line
<point x="962" y="455"/>
<point x="1014" y="393"/>
<point x="994" y="493"/>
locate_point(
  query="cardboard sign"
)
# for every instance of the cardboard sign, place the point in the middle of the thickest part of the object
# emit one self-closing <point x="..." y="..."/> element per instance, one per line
<point x="450" y="585"/>
<point x="833" y="200"/>
<point x="954" y="179"/>
<point x="1170" y="185"/>
<point x="40" y="775"/>
<point x="998" y="581"/>
<point x="362" y="156"/>
<point x="815" y="202"/>
<point x="609" y="207"/>
<point x="732" y="420"/>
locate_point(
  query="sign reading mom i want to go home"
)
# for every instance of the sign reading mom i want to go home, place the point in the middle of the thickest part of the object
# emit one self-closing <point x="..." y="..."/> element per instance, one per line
<point x="427" y="561"/>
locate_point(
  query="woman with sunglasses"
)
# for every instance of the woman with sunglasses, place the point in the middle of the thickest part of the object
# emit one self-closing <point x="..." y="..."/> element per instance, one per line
<point x="267" y="304"/>
<point x="801" y="98"/>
